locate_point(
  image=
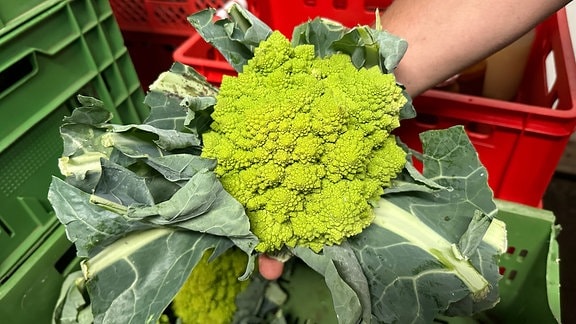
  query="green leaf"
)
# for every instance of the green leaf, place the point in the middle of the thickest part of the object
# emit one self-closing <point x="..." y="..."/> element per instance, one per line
<point x="73" y="306"/>
<point x="452" y="161"/>
<point x="247" y="27"/>
<point x="408" y="110"/>
<point x="236" y="37"/>
<point x="165" y="111"/>
<point x="182" y="81"/>
<point x="350" y="270"/>
<point x="347" y="303"/>
<point x="126" y="287"/>
<point x="167" y="139"/>
<point x="92" y="112"/>
<point x="122" y="187"/>
<point x="319" y="32"/>
<point x="412" y="253"/>
<point x="88" y="226"/>
<point x="178" y="167"/>
<point x="391" y="49"/>
<point x="200" y="119"/>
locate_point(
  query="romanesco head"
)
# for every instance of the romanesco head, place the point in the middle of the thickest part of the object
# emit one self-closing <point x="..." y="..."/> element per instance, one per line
<point x="209" y="293"/>
<point x="305" y="144"/>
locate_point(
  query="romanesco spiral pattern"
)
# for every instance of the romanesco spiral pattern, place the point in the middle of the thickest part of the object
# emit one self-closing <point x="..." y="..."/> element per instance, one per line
<point x="305" y="144"/>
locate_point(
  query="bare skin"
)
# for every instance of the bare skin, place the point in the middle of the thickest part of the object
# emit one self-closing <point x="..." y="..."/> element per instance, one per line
<point x="270" y="269"/>
<point x="444" y="37"/>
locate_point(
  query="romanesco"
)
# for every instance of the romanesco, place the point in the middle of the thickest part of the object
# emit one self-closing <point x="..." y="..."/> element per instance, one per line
<point x="305" y="144"/>
<point x="209" y="294"/>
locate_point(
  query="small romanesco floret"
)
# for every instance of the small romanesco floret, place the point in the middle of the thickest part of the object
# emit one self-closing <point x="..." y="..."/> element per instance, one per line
<point x="209" y="293"/>
<point x="305" y="144"/>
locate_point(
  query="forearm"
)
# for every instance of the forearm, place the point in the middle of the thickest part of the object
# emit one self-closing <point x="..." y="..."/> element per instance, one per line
<point x="446" y="36"/>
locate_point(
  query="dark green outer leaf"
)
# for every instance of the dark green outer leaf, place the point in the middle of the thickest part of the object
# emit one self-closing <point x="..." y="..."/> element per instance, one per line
<point x="351" y="272"/>
<point x="407" y="284"/>
<point x="168" y="139"/>
<point x="72" y="306"/>
<point x="201" y="108"/>
<point x="346" y="300"/>
<point x="411" y="254"/>
<point x="320" y="33"/>
<point x="122" y="187"/>
<point x="88" y="226"/>
<point x="165" y="111"/>
<point x="391" y="49"/>
<point x="135" y="279"/>
<point x="82" y="138"/>
<point x="248" y="29"/>
<point x="451" y="160"/>
<point x="177" y="167"/>
<point x="182" y="81"/>
<point x="235" y="39"/>
<point x="408" y="110"/>
<point x="486" y="260"/>
<point x="92" y="112"/>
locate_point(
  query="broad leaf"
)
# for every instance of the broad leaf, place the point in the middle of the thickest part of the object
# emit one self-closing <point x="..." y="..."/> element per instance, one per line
<point x="181" y="98"/>
<point x="236" y="37"/>
<point x="167" y="139"/>
<point x="318" y="32"/>
<point x="73" y="306"/>
<point x="165" y="111"/>
<point x="347" y="302"/>
<point x="134" y="279"/>
<point x="412" y="254"/>
<point x="88" y="226"/>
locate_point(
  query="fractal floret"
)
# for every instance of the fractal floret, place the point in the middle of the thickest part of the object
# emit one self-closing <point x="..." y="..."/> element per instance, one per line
<point x="305" y="144"/>
<point x="209" y="293"/>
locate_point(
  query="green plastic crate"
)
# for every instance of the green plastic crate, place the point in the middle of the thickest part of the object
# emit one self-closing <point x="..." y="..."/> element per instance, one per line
<point x="530" y="287"/>
<point x="13" y="13"/>
<point x="74" y="47"/>
<point x="30" y="294"/>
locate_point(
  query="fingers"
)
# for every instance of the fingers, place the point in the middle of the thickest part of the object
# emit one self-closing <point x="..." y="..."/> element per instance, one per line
<point x="270" y="269"/>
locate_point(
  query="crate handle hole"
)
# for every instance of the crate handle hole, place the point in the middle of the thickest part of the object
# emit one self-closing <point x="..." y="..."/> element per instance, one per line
<point x="340" y="4"/>
<point x="428" y="121"/>
<point x="5" y="229"/>
<point x="479" y="130"/>
<point x="310" y="3"/>
<point x="555" y="103"/>
<point x="17" y="73"/>
<point x="512" y="275"/>
<point x="212" y="53"/>
<point x="63" y="263"/>
<point x="522" y="255"/>
<point x="550" y="67"/>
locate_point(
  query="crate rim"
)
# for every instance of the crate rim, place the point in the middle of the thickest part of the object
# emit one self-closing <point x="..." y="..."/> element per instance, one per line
<point x="30" y="14"/>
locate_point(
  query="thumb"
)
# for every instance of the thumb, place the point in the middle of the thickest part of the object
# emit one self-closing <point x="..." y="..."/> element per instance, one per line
<point x="270" y="268"/>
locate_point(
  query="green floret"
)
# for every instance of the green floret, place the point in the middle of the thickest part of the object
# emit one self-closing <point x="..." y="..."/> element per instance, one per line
<point x="305" y="144"/>
<point x="209" y="293"/>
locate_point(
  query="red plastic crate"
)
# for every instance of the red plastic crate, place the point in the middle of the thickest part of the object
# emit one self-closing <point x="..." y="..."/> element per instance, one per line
<point x="519" y="142"/>
<point x="284" y="15"/>
<point x="160" y="16"/>
<point x="151" y="53"/>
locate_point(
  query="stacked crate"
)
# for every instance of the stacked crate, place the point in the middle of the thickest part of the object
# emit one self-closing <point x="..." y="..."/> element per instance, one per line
<point x="50" y="52"/>
<point x="153" y="29"/>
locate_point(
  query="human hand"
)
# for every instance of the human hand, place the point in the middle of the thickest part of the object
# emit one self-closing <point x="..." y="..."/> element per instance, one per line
<point x="270" y="268"/>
